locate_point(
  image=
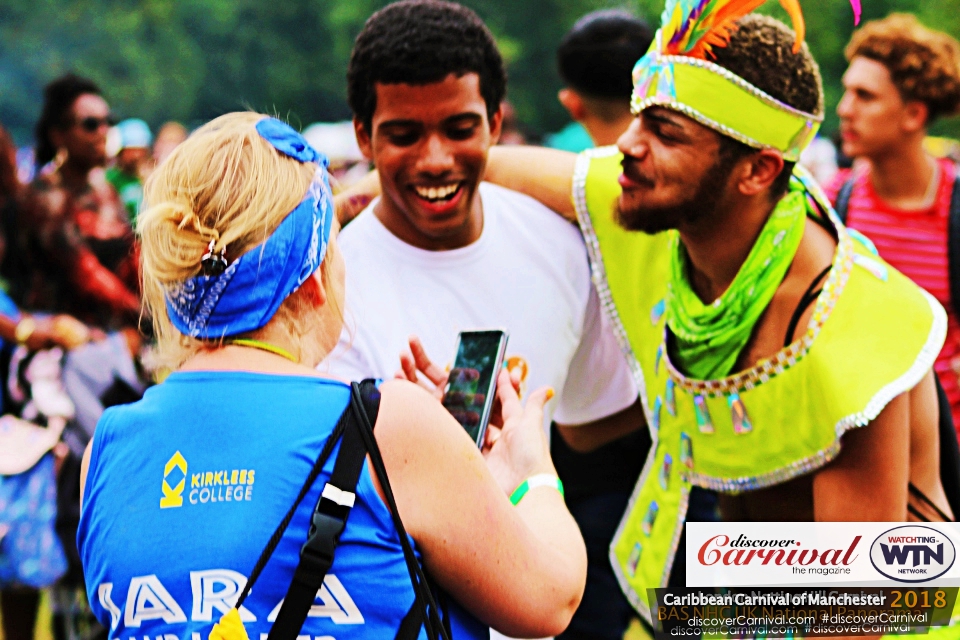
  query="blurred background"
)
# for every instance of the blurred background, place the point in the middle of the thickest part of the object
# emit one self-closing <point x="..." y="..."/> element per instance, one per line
<point x="192" y="60"/>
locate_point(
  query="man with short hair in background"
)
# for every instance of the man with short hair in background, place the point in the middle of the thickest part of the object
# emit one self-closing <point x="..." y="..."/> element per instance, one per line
<point x="902" y="77"/>
<point x="595" y="59"/>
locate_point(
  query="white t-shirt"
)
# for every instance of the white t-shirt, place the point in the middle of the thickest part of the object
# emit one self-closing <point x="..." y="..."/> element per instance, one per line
<point x="527" y="274"/>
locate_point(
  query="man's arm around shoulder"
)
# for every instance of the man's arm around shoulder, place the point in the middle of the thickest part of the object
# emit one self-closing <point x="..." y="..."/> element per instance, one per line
<point x="541" y="173"/>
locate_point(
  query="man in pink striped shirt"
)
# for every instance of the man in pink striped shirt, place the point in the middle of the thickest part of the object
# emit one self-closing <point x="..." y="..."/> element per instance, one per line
<point x="902" y="76"/>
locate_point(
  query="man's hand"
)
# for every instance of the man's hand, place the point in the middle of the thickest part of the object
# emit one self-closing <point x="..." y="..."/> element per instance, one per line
<point x="351" y="201"/>
<point x="415" y="362"/>
<point x="70" y="333"/>
<point x="57" y="331"/>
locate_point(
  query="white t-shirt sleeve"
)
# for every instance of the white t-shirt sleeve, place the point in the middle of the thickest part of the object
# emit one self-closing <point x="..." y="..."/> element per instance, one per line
<point x="599" y="382"/>
<point x="347" y="361"/>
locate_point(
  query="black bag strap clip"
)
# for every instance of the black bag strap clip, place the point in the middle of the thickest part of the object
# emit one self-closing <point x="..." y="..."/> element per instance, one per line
<point x="327" y="524"/>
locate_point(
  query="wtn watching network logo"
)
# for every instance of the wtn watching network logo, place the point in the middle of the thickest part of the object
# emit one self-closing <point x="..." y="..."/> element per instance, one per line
<point x="227" y="485"/>
<point x="912" y="554"/>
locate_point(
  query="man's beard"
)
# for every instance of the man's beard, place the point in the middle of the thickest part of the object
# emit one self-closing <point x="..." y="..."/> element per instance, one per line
<point x="702" y="205"/>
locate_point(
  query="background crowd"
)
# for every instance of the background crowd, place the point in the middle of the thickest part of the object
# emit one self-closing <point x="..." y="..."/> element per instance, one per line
<point x="71" y="185"/>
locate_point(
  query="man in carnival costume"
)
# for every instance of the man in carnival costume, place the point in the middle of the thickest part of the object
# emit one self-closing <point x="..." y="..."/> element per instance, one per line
<point x="781" y="362"/>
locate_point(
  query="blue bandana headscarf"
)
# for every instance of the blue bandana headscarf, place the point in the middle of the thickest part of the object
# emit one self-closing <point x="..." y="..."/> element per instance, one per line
<point x="250" y="290"/>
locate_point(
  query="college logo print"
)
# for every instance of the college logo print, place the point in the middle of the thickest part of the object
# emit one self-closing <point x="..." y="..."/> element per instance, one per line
<point x="173" y="496"/>
<point x="912" y="553"/>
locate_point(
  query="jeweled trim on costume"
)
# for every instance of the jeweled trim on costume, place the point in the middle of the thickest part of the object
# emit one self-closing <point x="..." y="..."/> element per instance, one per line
<point x="677" y="533"/>
<point x="598" y="272"/>
<point x="790" y="355"/>
<point x="625" y="586"/>
<point x="743" y="84"/>
<point x="639" y="105"/>
<point x="814" y="189"/>
<point x="913" y="375"/>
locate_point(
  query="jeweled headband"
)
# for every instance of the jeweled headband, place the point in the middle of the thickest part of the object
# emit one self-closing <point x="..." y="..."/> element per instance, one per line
<point x="244" y="295"/>
<point x="676" y="74"/>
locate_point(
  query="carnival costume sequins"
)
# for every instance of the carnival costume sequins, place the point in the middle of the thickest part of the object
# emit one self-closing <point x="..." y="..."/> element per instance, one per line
<point x="719" y="428"/>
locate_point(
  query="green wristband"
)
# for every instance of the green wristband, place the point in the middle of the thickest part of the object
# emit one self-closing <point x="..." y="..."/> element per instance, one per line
<point x="542" y="480"/>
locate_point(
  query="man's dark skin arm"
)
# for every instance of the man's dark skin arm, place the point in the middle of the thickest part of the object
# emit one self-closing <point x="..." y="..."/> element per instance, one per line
<point x="543" y="174"/>
<point x="588" y="437"/>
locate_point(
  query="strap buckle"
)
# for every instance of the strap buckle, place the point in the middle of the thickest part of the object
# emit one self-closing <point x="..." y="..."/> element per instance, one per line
<point x="326" y="526"/>
<point x="316" y="554"/>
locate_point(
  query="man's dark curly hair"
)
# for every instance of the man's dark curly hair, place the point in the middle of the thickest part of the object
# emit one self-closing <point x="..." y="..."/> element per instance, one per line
<point x="58" y="99"/>
<point x="761" y="52"/>
<point x="420" y="42"/>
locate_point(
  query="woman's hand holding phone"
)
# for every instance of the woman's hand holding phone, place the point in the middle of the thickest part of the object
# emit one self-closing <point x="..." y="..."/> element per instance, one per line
<point x="516" y="446"/>
<point x="524" y="451"/>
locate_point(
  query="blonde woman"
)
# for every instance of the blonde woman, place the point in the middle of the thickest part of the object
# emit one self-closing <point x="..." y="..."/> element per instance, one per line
<point x="182" y="490"/>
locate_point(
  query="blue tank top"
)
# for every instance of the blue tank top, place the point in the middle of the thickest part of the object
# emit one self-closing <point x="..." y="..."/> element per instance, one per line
<point x="185" y="488"/>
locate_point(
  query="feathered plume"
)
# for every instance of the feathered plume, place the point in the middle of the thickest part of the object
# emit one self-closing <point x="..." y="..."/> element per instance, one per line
<point x="693" y="27"/>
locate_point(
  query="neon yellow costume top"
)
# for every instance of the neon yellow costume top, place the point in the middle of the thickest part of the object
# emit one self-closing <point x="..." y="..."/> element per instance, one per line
<point x="873" y="335"/>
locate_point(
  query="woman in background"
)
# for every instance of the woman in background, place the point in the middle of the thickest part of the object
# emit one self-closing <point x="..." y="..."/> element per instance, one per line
<point x="245" y="284"/>
<point x="75" y="234"/>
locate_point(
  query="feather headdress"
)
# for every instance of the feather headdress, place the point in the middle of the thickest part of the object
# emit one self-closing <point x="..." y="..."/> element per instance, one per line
<point x="692" y="27"/>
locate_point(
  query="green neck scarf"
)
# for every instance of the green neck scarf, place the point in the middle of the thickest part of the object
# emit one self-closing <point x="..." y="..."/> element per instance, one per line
<point x="710" y="337"/>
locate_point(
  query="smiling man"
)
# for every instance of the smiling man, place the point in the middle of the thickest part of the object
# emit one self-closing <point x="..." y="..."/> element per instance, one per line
<point x="442" y="252"/>
<point x="781" y="362"/>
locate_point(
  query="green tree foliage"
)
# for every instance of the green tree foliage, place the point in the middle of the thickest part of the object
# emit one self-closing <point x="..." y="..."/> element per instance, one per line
<point x="191" y="60"/>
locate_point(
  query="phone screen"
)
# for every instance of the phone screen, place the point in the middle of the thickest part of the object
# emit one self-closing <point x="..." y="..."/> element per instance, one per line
<point x="470" y="388"/>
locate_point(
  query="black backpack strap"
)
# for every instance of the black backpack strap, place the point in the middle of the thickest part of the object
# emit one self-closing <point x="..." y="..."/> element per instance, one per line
<point x="953" y="244"/>
<point x="328" y="522"/>
<point x="842" y="205"/>
<point x="282" y="527"/>
<point x="424" y="612"/>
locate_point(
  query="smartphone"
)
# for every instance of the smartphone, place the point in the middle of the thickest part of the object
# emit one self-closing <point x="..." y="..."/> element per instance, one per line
<point x="473" y="379"/>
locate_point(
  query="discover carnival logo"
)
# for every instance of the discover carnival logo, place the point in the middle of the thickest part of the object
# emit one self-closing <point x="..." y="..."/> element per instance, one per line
<point x="741" y="551"/>
<point x="912" y="553"/>
<point x="817" y="553"/>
